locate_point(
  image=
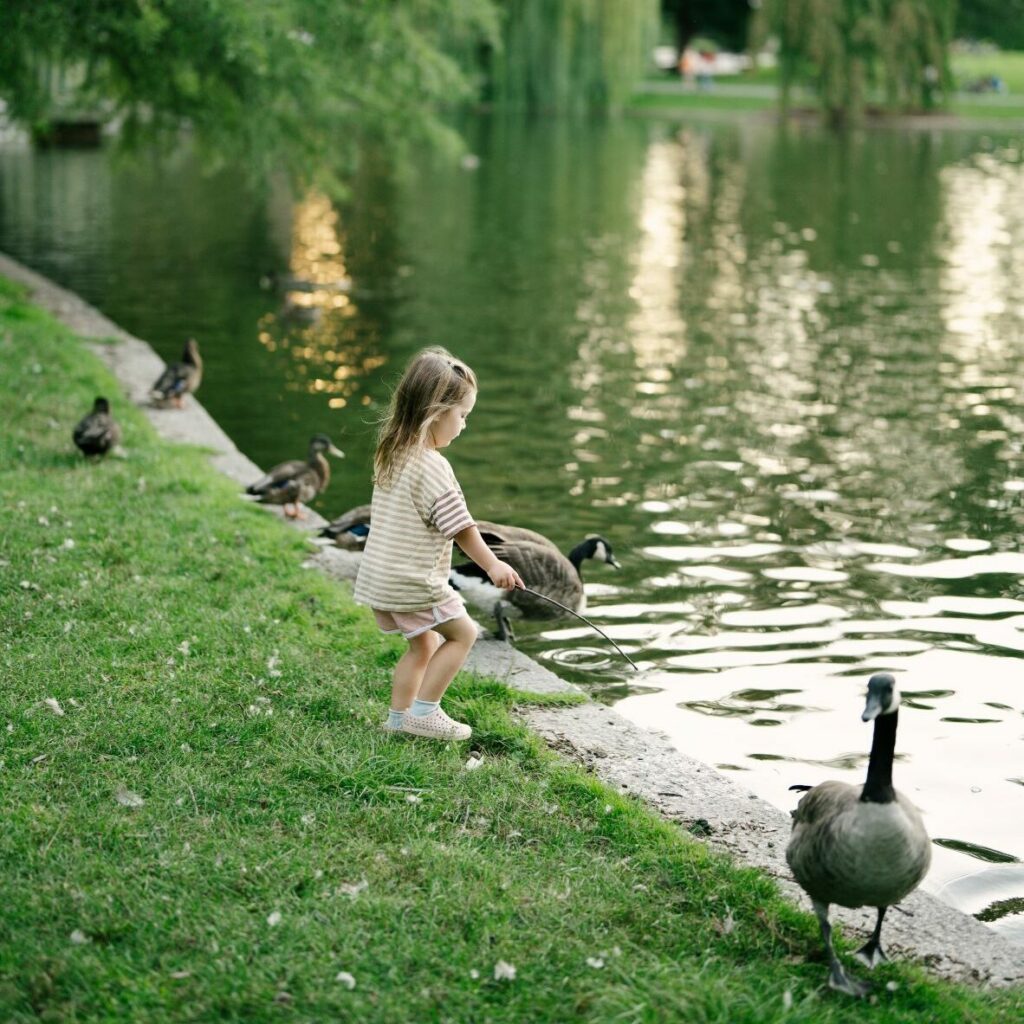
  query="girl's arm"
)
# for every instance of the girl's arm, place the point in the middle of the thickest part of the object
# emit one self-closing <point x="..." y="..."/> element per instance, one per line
<point x="500" y="573"/>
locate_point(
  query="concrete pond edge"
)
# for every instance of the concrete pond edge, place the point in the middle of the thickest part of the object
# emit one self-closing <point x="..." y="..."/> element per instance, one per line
<point x="694" y="795"/>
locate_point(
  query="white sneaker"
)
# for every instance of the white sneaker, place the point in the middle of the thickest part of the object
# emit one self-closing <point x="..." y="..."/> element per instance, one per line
<point x="436" y="726"/>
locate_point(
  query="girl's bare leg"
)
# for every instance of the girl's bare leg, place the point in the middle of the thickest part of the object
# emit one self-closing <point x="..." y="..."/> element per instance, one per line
<point x="410" y="667"/>
<point x="459" y="637"/>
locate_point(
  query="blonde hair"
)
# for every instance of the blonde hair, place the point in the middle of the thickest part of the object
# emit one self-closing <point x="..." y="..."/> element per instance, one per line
<point x="433" y="382"/>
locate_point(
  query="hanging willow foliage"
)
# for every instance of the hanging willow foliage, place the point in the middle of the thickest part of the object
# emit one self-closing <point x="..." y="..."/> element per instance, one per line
<point x="571" y="55"/>
<point x="856" y="50"/>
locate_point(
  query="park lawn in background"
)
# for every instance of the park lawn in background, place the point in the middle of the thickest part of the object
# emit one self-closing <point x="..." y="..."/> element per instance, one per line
<point x="203" y="820"/>
<point x="1006" y="64"/>
<point x="656" y="102"/>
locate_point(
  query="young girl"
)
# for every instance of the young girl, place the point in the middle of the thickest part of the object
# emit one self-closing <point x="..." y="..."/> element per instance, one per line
<point x="417" y="511"/>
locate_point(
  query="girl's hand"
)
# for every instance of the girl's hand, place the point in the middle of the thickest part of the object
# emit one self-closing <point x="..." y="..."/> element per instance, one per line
<point x="503" y="575"/>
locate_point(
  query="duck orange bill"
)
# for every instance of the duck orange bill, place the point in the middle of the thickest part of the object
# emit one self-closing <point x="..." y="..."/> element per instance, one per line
<point x="582" y="618"/>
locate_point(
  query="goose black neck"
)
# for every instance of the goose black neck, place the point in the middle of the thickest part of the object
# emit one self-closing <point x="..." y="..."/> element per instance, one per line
<point x="878" y="785"/>
<point x="576" y="556"/>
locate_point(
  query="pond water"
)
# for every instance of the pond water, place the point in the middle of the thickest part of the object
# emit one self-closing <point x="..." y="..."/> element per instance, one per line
<point x="779" y="370"/>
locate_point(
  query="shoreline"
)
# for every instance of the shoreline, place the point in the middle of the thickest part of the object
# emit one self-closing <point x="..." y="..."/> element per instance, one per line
<point x="644" y="764"/>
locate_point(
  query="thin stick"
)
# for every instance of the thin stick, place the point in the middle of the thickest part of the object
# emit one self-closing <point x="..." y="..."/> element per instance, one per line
<point x="597" y="629"/>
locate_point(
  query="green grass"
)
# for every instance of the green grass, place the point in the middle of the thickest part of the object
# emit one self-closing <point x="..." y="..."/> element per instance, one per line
<point x="966" y="68"/>
<point x="1007" y="64"/>
<point x="665" y="102"/>
<point x="239" y="696"/>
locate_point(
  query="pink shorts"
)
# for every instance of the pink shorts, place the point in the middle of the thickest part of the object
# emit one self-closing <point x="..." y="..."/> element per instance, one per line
<point x="411" y="624"/>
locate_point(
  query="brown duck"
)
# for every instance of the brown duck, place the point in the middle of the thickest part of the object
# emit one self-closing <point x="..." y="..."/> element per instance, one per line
<point x="295" y="481"/>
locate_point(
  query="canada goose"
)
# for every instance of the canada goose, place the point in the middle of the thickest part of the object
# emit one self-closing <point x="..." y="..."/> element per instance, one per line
<point x="295" y="481"/>
<point x="541" y="565"/>
<point x="98" y="432"/>
<point x="349" y="530"/>
<point x="179" y="379"/>
<point x="860" y="845"/>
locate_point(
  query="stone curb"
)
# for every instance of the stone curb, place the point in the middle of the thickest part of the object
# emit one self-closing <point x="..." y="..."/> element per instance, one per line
<point x="951" y="944"/>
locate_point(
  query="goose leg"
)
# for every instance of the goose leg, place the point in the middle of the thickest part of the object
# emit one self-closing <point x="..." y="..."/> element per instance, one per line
<point x="871" y="953"/>
<point x="838" y="979"/>
<point x="504" y="630"/>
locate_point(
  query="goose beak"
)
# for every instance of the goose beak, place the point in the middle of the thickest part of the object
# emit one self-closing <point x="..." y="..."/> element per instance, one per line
<point x="614" y="562"/>
<point x="872" y="709"/>
<point x="336" y="452"/>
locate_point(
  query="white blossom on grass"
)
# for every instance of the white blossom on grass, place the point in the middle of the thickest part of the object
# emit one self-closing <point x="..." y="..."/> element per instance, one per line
<point x="54" y="705"/>
<point x="346" y="979"/>
<point x="274" y="919"/>
<point x="474" y="762"/>
<point x="126" y="798"/>
<point x="504" y="971"/>
<point x="596" y="962"/>
<point x="78" y="937"/>
<point x="353" y="889"/>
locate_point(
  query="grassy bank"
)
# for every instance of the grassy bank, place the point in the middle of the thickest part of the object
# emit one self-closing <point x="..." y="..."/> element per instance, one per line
<point x="203" y="821"/>
<point x="734" y="92"/>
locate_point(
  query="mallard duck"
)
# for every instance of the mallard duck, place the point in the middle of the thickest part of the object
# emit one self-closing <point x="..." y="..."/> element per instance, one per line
<point x="541" y="565"/>
<point x="349" y="530"/>
<point x="860" y="845"/>
<point x="293" y="482"/>
<point x="179" y="379"/>
<point x="97" y="432"/>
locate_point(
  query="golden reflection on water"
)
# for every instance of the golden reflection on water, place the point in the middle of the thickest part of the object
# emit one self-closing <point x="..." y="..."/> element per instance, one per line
<point x="316" y="302"/>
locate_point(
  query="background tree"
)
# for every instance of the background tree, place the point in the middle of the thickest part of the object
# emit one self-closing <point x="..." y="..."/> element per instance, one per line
<point x="994" y="21"/>
<point x="571" y="55"/>
<point x="298" y="83"/>
<point x="725" y="21"/>
<point x="847" y="47"/>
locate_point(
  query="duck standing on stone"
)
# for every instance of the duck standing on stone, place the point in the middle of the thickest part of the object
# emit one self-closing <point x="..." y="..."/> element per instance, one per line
<point x="860" y="846"/>
<point x="295" y="481"/>
<point x="98" y="432"/>
<point x="179" y="379"/>
<point x="349" y="530"/>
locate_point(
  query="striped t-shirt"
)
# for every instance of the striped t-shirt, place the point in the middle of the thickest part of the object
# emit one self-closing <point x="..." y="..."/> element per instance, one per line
<point x="408" y="553"/>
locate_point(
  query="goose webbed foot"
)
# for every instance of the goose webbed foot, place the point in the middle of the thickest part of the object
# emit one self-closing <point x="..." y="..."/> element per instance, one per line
<point x="840" y="981"/>
<point x="871" y="953"/>
<point x="504" y="627"/>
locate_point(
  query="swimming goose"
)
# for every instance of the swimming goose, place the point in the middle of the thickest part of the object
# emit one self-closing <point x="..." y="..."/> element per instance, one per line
<point x="541" y="565"/>
<point x="98" y="432"/>
<point x="179" y="379"/>
<point x="292" y="482"/>
<point x="860" y="845"/>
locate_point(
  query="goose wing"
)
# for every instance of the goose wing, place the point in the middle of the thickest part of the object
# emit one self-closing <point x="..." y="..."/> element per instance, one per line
<point x="500" y="533"/>
<point x="544" y="569"/>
